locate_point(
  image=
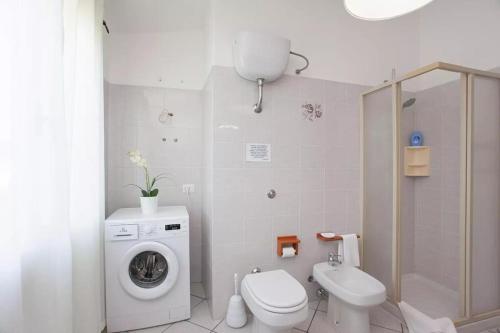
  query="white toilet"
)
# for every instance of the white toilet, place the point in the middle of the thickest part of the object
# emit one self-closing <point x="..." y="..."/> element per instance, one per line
<point x="277" y="301"/>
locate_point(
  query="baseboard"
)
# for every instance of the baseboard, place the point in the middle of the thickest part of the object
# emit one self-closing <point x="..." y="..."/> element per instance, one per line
<point x="479" y="326"/>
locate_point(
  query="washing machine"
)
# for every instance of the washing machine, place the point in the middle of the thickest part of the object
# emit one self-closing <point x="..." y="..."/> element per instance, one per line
<point x="147" y="268"/>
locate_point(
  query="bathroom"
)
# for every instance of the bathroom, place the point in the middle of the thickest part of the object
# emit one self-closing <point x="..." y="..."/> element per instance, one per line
<point x="260" y="170"/>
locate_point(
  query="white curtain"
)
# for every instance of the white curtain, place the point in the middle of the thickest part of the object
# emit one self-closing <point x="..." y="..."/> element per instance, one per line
<point x="51" y="166"/>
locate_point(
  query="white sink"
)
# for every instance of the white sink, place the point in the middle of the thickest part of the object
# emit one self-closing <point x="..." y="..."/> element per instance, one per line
<point x="350" y="284"/>
<point x="352" y="292"/>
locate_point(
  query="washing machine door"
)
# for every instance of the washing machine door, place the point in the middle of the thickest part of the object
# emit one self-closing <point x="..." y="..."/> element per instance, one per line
<point x="148" y="270"/>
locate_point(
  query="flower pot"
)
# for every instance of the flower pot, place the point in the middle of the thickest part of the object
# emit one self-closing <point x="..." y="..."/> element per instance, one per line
<point x="149" y="205"/>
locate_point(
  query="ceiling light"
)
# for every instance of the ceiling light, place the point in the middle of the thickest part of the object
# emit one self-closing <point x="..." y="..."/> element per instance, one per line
<point x="375" y="10"/>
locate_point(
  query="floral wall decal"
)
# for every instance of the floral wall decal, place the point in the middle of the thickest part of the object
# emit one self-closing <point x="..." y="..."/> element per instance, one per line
<point x="311" y="111"/>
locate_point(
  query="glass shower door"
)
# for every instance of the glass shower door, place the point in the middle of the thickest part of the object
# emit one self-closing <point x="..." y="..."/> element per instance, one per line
<point x="431" y="221"/>
<point x="378" y="187"/>
<point x="431" y="194"/>
<point x="485" y="195"/>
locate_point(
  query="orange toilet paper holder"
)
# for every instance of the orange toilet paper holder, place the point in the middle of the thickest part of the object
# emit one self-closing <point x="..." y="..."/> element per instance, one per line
<point x="286" y="241"/>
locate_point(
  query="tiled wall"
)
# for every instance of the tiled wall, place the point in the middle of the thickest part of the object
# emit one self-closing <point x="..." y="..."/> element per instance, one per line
<point x="174" y="147"/>
<point x="436" y="202"/>
<point x="314" y="170"/>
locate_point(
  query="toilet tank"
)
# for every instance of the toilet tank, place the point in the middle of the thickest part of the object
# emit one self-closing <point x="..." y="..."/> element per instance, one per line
<point x="260" y="56"/>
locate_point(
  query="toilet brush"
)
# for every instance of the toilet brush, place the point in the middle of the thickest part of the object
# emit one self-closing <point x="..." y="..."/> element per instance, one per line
<point x="236" y="315"/>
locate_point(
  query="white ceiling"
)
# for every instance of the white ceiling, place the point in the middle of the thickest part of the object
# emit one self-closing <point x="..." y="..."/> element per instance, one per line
<point x="154" y="16"/>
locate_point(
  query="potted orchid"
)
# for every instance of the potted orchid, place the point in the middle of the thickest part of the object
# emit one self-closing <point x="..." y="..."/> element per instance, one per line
<point x="149" y="198"/>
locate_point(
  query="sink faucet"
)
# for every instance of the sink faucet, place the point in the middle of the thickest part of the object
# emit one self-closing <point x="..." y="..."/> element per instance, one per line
<point x="334" y="259"/>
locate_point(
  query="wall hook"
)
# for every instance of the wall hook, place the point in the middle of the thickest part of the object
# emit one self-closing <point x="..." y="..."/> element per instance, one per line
<point x="165" y="116"/>
<point x="105" y="26"/>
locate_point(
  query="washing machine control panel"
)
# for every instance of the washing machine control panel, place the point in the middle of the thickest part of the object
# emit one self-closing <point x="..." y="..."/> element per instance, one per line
<point x="122" y="232"/>
<point x="163" y="229"/>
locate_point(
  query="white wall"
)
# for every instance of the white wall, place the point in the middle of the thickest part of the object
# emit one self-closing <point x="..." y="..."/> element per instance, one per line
<point x="171" y="59"/>
<point x="340" y="47"/>
<point x="462" y="32"/>
<point x="156" y="43"/>
<point x="345" y="49"/>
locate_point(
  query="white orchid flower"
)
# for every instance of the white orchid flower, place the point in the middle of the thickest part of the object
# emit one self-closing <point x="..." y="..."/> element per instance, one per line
<point x="150" y="190"/>
<point x="134" y="153"/>
<point x="136" y="158"/>
<point x="142" y="162"/>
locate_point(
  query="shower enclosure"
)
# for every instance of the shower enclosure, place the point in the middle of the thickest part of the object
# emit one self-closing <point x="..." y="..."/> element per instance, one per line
<point x="431" y="213"/>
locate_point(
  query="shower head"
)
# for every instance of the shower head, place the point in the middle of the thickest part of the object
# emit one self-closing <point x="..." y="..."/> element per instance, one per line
<point x="409" y="103"/>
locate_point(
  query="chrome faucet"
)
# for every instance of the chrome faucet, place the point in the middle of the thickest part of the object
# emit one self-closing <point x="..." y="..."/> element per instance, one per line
<point x="334" y="259"/>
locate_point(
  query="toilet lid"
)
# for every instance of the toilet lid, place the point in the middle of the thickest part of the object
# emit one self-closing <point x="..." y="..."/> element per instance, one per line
<point x="276" y="289"/>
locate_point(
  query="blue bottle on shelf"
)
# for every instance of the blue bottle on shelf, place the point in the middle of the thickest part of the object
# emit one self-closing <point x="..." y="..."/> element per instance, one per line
<point x="416" y="138"/>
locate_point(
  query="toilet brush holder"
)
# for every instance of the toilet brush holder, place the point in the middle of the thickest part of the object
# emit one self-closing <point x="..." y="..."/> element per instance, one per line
<point x="236" y="315"/>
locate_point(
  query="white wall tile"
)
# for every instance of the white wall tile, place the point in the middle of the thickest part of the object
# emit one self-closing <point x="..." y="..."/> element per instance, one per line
<point x="287" y="118"/>
<point x="257" y="204"/>
<point x="229" y="231"/>
<point x="258" y="230"/>
<point x="229" y="155"/>
<point x="285" y="225"/>
<point x="285" y="203"/>
<point x="312" y="202"/>
<point x="286" y="87"/>
<point x="132" y="123"/>
<point x="257" y="180"/>
<point x="285" y="155"/>
<point x="287" y="179"/>
<point x="312" y="179"/>
<point x="308" y="199"/>
<point x="312" y="156"/>
<point x="229" y="180"/>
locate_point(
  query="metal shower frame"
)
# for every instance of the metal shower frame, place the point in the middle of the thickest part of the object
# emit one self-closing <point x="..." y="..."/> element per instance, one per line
<point x="467" y="76"/>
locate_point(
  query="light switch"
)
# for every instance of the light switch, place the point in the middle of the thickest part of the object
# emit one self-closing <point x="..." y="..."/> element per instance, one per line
<point x="188" y="188"/>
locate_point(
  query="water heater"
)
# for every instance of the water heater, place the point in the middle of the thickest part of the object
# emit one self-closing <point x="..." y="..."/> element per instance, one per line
<point x="262" y="58"/>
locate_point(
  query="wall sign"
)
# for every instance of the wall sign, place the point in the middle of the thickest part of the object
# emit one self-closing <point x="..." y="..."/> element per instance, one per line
<point x="258" y="152"/>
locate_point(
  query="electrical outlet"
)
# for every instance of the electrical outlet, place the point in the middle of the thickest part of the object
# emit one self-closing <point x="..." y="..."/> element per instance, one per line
<point x="188" y="188"/>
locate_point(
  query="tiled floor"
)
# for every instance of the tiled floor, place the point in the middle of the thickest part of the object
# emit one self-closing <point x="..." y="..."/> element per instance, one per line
<point x="201" y="321"/>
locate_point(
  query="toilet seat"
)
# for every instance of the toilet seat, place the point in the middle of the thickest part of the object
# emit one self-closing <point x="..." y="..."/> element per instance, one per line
<point x="276" y="291"/>
<point x="277" y="301"/>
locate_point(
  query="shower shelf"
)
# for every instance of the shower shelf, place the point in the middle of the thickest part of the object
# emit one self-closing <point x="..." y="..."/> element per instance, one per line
<point x="417" y="161"/>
